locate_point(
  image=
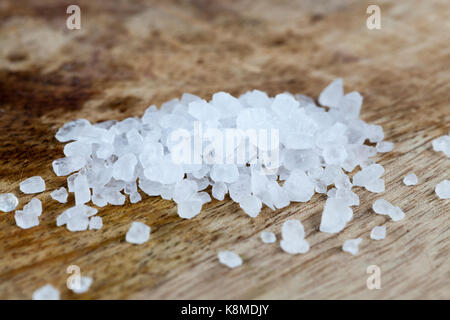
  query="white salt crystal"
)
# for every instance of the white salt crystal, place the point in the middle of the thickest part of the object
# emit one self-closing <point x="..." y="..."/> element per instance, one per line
<point x="299" y="186"/>
<point x="351" y="246"/>
<point x="135" y="197"/>
<point x="123" y="168"/>
<point x="230" y="259"/>
<point x="332" y="94"/>
<point x="384" y="146"/>
<point x="442" y="144"/>
<point x="335" y="215"/>
<point x="60" y="195"/>
<point x="227" y="173"/>
<point x="72" y="130"/>
<point x="368" y="175"/>
<point x="138" y="233"/>
<point x="443" y="189"/>
<point x="82" y="285"/>
<point x="410" y="179"/>
<point x="8" y="202"/>
<point x="268" y="237"/>
<point x="219" y="190"/>
<point x="188" y="209"/>
<point x="95" y="223"/>
<point x="376" y="186"/>
<point x="292" y="234"/>
<point x="24" y="220"/>
<point x="47" y="292"/>
<point x="378" y="233"/>
<point x="34" y="207"/>
<point x="251" y="205"/>
<point x="65" y="166"/>
<point x="184" y="190"/>
<point x="32" y="185"/>
<point x="81" y="190"/>
<point x="384" y="207"/>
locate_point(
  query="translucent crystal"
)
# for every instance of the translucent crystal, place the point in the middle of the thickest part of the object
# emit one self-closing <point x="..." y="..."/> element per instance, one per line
<point x="351" y="246"/>
<point x="32" y="185"/>
<point x="384" y="207"/>
<point x="332" y="94"/>
<point x="230" y="259"/>
<point x="335" y="215"/>
<point x="138" y="233"/>
<point x="82" y="285"/>
<point x="95" y="223"/>
<point x="384" y="146"/>
<point x="219" y="190"/>
<point x="135" y="197"/>
<point x="8" y="202"/>
<point x="293" y="234"/>
<point x="60" y="195"/>
<point x="47" y="292"/>
<point x="367" y="175"/>
<point x="443" y="189"/>
<point x="268" y="237"/>
<point x="378" y="233"/>
<point x="251" y="205"/>
<point x="410" y="179"/>
<point x="442" y="144"/>
<point x="65" y="166"/>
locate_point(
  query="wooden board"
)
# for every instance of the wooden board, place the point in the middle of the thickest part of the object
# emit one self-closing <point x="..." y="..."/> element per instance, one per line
<point x="130" y="54"/>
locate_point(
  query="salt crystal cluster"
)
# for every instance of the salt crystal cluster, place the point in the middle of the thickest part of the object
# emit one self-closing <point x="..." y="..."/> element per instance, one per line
<point x="32" y="185"/>
<point x="443" y="189"/>
<point x="293" y="237"/>
<point x="47" y="292"/>
<point x="317" y="147"/>
<point x="8" y="202"/>
<point x="442" y="144"/>
<point x="352" y="246"/>
<point x="230" y="259"/>
<point x="28" y="217"/>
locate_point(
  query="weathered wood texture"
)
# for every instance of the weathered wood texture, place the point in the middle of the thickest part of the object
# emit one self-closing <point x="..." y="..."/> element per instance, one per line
<point x="130" y="54"/>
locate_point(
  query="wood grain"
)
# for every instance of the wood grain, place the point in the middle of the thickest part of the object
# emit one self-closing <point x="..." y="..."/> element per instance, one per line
<point x="130" y="54"/>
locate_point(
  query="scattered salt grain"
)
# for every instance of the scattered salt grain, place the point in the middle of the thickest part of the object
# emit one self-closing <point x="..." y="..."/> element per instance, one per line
<point x="95" y="223"/>
<point x="268" y="237"/>
<point x="60" y="195"/>
<point x="384" y="207"/>
<point x="293" y="237"/>
<point x="335" y="216"/>
<point x="443" y="189"/>
<point x="230" y="259"/>
<point x="410" y="179"/>
<point x="351" y="246"/>
<point x="8" y="202"/>
<point x="82" y="285"/>
<point x="442" y="144"/>
<point x="47" y="292"/>
<point x="32" y="185"/>
<point x="378" y="233"/>
<point x="138" y="233"/>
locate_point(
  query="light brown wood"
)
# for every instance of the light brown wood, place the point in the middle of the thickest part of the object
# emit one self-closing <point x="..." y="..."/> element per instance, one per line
<point x="130" y="54"/>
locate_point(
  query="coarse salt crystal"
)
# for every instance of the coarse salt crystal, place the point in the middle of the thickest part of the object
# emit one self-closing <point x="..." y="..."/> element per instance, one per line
<point x="268" y="237"/>
<point x="47" y="292"/>
<point x="443" y="189"/>
<point x="138" y="233"/>
<point x="230" y="259"/>
<point x="410" y="179"/>
<point x="352" y="245"/>
<point x="32" y="185"/>
<point x="378" y="233"/>
<point x="8" y="202"/>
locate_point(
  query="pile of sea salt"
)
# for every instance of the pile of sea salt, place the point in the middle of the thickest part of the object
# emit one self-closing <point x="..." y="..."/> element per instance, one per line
<point x="315" y="150"/>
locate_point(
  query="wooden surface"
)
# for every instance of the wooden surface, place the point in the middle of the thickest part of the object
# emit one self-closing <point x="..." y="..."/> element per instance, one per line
<point x="130" y="54"/>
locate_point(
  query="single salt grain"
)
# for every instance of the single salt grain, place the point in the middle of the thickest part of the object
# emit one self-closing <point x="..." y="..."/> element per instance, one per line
<point x="268" y="237"/>
<point x="293" y="234"/>
<point x="60" y="195"/>
<point x="352" y="246"/>
<point x="230" y="259"/>
<point x="410" y="179"/>
<point x="32" y="185"/>
<point x="251" y="205"/>
<point x="47" y="292"/>
<point x="332" y="94"/>
<point x="8" y="202"/>
<point x="384" y="146"/>
<point x="442" y="144"/>
<point x="378" y="233"/>
<point x="82" y="285"/>
<point x="95" y="223"/>
<point x="28" y="217"/>
<point x="443" y="189"/>
<point x="135" y="197"/>
<point x="138" y="233"/>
